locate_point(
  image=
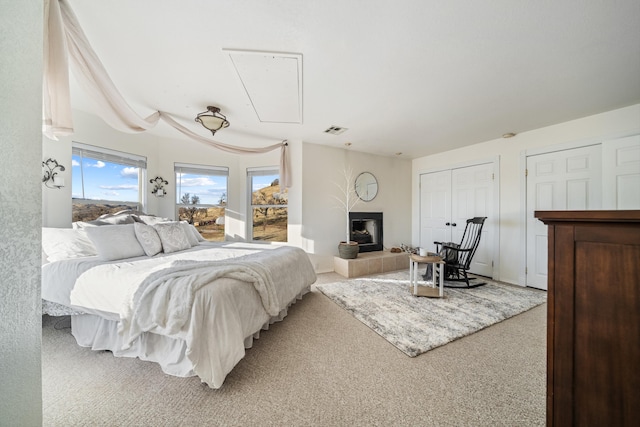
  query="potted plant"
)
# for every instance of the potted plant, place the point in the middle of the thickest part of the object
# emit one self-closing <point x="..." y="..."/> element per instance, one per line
<point x="347" y="199"/>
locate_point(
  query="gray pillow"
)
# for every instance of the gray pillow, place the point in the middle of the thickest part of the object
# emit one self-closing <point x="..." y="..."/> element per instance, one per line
<point x="115" y="219"/>
<point x="115" y="241"/>
<point x="148" y="238"/>
<point x="152" y="219"/>
<point x="172" y="236"/>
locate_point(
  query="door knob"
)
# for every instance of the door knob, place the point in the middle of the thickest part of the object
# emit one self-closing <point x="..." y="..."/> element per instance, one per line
<point x="454" y="224"/>
<point x="448" y="223"/>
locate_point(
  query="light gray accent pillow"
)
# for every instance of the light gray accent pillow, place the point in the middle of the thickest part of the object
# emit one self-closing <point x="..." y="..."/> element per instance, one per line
<point x="172" y="236"/>
<point x="152" y="219"/>
<point x="115" y="241"/>
<point x="193" y="241"/>
<point x="148" y="238"/>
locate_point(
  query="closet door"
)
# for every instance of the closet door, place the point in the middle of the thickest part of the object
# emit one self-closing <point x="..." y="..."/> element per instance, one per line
<point x="435" y="209"/>
<point x="558" y="181"/>
<point x="447" y="199"/>
<point x="472" y="195"/>
<point x="621" y="173"/>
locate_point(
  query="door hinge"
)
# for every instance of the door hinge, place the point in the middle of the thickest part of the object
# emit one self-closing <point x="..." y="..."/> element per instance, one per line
<point x="526" y="271"/>
<point x="493" y="176"/>
<point x="526" y="172"/>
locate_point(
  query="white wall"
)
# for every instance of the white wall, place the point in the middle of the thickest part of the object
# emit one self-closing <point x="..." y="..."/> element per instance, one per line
<point x="324" y="225"/>
<point x="20" y="202"/>
<point x="617" y="123"/>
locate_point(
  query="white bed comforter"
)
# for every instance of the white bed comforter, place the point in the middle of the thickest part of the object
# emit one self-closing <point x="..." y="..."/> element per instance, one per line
<point x="211" y="305"/>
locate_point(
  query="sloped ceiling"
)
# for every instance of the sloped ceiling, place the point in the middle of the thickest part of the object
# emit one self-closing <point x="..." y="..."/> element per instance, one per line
<point x="414" y="76"/>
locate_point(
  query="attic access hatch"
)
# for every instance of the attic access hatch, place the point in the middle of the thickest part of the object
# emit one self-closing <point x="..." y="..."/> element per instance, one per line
<point x="273" y="83"/>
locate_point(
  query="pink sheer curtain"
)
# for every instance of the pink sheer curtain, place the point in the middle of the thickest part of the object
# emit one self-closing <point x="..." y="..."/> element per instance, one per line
<point x="64" y="40"/>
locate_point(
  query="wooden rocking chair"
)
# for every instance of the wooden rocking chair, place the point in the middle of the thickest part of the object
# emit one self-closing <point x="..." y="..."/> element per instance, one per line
<point x="457" y="257"/>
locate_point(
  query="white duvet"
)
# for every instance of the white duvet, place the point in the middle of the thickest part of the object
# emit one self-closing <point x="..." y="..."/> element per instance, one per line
<point x="211" y="299"/>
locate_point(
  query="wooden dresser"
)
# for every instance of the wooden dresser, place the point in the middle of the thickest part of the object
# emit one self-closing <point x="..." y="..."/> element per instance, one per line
<point x="593" y="318"/>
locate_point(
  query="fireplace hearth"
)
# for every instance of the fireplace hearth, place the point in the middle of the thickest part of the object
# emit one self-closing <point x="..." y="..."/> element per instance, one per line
<point x="366" y="229"/>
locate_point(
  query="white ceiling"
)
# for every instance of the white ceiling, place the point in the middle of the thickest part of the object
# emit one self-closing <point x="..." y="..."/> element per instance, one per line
<point x="411" y="76"/>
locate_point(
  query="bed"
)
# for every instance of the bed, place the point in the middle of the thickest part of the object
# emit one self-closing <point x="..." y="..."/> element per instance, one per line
<point x="192" y="306"/>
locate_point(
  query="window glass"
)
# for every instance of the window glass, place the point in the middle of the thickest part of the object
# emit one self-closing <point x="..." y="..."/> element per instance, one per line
<point x="201" y="198"/>
<point x="268" y="215"/>
<point x="105" y="181"/>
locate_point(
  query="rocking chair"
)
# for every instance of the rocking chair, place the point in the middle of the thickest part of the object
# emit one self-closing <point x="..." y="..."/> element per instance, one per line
<point x="457" y="257"/>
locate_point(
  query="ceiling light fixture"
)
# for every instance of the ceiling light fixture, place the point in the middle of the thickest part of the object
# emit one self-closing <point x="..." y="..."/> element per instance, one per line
<point x="212" y="119"/>
<point x="509" y="135"/>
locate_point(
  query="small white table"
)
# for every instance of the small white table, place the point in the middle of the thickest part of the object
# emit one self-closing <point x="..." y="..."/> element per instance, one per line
<point x="421" y="290"/>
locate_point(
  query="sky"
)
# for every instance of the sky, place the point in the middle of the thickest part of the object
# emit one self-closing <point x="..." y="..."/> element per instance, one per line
<point x="116" y="182"/>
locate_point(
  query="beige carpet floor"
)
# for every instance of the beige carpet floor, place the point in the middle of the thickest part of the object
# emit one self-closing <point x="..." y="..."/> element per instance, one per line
<point x="319" y="367"/>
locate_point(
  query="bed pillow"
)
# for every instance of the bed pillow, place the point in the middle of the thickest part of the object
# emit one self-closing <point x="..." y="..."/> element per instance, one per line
<point x="193" y="240"/>
<point x="196" y="233"/>
<point x="115" y="241"/>
<point x="172" y="236"/>
<point x="148" y="238"/>
<point x="65" y="243"/>
<point x="152" y="219"/>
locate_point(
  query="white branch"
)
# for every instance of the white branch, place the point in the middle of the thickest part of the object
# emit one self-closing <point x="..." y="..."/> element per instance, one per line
<point x="347" y="198"/>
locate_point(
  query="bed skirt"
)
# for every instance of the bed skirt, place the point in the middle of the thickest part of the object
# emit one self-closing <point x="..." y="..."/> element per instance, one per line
<point x="99" y="333"/>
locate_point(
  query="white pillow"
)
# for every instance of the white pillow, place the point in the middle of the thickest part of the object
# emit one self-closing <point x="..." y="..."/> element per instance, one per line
<point x="65" y="243"/>
<point x="173" y="237"/>
<point x="115" y="241"/>
<point x="196" y="233"/>
<point x="193" y="240"/>
<point x="148" y="238"/>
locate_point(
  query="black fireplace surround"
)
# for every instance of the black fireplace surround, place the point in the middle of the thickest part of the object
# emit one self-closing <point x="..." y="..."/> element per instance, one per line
<point x="366" y="229"/>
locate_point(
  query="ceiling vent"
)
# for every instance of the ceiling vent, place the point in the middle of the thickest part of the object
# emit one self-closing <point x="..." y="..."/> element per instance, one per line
<point x="336" y="130"/>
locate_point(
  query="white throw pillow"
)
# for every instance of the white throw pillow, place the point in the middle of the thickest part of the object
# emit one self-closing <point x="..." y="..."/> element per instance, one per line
<point x="115" y="241"/>
<point x="196" y="233"/>
<point x="173" y="237"/>
<point x="148" y="238"/>
<point x="193" y="241"/>
<point x="65" y="243"/>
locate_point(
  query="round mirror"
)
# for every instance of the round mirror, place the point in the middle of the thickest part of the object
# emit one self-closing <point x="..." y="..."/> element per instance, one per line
<point x="366" y="186"/>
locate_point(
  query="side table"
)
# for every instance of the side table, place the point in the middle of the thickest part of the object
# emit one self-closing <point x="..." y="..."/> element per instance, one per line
<point x="432" y="291"/>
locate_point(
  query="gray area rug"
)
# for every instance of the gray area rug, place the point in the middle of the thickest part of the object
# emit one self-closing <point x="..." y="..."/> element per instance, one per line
<point x="418" y="324"/>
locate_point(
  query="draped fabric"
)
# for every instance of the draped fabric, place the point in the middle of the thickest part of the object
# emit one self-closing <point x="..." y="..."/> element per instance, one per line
<point x="64" y="40"/>
<point x="56" y="103"/>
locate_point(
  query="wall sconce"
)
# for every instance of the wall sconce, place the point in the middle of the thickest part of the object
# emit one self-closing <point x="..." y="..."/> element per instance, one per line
<point x="214" y="121"/>
<point x="158" y="188"/>
<point x="50" y="177"/>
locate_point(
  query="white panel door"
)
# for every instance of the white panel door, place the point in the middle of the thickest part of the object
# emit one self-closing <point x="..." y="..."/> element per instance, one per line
<point x="447" y="199"/>
<point x="435" y="209"/>
<point x="472" y="195"/>
<point x="621" y="173"/>
<point x="561" y="180"/>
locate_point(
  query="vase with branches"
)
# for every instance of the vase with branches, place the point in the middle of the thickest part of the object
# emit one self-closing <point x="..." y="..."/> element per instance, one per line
<point x="346" y="200"/>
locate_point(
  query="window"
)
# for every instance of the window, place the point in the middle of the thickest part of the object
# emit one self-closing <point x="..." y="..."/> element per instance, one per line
<point x="201" y="198"/>
<point x="268" y="206"/>
<point x="105" y="181"/>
